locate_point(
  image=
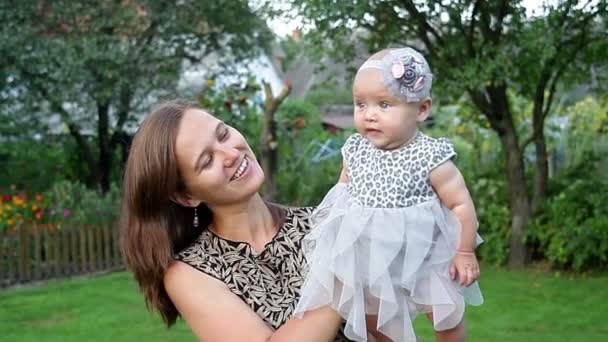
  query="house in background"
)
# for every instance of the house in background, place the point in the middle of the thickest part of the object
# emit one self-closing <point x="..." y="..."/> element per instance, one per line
<point x="307" y="75"/>
<point x="266" y="67"/>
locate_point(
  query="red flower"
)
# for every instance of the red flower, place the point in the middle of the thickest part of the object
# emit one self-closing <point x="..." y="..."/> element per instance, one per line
<point x="6" y="198"/>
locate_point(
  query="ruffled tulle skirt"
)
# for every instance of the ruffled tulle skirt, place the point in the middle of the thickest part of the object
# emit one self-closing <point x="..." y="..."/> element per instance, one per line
<point x="392" y="263"/>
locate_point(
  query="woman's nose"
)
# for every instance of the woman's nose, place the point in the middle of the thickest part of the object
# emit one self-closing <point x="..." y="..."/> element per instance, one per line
<point x="231" y="156"/>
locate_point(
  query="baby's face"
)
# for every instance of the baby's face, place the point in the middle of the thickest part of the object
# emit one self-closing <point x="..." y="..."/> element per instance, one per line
<point x="386" y="121"/>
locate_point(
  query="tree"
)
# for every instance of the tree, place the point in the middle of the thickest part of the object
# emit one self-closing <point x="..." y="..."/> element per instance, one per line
<point x="269" y="138"/>
<point x="486" y="50"/>
<point x="98" y="64"/>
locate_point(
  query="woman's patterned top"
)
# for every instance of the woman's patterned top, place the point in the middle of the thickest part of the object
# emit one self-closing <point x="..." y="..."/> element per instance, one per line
<point x="269" y="282"/>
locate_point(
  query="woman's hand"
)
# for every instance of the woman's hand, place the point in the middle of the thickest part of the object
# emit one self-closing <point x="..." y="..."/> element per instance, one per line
<point x="465" y="266"/>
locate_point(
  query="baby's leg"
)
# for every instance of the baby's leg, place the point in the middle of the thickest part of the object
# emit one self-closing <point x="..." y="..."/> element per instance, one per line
<point x="456" y="334"/>
<point x="372" y="323"/>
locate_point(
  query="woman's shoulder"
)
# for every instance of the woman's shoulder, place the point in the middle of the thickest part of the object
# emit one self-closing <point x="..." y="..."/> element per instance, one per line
<point x="204" y="254"/>
<point x="181" y="276"/>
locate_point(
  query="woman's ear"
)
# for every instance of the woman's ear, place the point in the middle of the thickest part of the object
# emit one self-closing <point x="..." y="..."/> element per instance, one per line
<point x="185" y="200"/>
<point x="424" y="109"/>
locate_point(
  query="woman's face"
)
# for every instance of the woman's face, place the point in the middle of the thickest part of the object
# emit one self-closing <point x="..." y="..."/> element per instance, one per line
<point x="215" y="161"/>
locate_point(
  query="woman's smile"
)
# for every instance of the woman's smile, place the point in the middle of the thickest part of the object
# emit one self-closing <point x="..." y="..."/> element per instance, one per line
<point x="242" y="170"/>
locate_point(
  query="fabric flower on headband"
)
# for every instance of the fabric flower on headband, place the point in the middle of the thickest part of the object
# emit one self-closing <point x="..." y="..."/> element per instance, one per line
<point x="409" y="73"/>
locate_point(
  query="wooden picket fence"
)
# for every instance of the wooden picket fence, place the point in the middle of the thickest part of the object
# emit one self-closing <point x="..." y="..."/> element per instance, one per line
<point x="33" y="253"/>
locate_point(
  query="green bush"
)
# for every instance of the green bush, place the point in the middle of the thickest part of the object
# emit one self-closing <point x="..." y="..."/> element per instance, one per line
<point x="302" y="180"/>
<point x="572" y="231"/>
<point x="494" y="218"/>
<point x="34" y="165"/>
<point x="72" y="203"/>
<point x="65" y="204"/>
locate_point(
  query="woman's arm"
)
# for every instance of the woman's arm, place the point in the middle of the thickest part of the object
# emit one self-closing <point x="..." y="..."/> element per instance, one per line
<point x="216" y="314"/>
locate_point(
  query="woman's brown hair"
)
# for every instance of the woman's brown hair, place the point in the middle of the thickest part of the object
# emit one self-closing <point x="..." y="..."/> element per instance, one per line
<point x="153" y="227"/>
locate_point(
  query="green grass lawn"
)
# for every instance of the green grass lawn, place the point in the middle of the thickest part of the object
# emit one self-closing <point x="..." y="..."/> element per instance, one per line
<point x="520" y="306"/>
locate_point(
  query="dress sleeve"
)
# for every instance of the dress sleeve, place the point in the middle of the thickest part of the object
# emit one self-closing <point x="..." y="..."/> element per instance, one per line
<point x="350" y="147"/>
<point x="441" y="151"/>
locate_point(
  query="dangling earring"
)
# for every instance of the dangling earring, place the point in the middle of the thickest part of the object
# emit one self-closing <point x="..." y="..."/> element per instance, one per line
<point x="195" y="221"/>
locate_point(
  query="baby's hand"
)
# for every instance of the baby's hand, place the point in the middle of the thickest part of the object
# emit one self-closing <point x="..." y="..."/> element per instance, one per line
<point x="465" y="266"/>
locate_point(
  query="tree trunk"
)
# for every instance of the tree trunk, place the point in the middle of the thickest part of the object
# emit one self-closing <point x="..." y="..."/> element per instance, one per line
<point x="498" y="112"/>
<point x="541" y="175"/>
<point x="269" y="139"/>
<point x="105" y="149"/>
<point x="520" y="201"/>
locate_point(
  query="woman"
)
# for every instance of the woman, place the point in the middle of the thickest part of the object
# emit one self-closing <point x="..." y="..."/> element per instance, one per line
<point x="200" y="240"/>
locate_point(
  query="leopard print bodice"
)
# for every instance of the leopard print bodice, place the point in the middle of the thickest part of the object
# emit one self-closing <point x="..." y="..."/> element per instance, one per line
<point x="393" y="178"/>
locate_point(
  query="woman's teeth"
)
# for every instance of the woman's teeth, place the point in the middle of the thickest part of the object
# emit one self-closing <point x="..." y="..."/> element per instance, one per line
<point x="241" y="169"/>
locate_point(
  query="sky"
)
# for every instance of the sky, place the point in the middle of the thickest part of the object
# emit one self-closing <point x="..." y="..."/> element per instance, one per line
<point x="283" y="26"/>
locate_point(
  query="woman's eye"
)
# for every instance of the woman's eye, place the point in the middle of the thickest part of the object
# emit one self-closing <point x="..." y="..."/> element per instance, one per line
<point x="224" y="134"/>
<point x="206" y="162"/>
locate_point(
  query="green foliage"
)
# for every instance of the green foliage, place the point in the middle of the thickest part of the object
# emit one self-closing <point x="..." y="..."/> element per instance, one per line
<point x="572" y="232"/>
<point x="98" y="65"/>
<point x="587" y="132"/>
<point x="300" y="181"/>
<point x="72" y="203"/>
<point x="329" y="93"/>
<point x="64" y="204"/>
<point x="489" y="194"/>
<point x="34" y="165"/>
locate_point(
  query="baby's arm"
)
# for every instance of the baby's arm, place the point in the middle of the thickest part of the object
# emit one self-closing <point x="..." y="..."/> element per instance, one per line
<point x="449" y="185"/>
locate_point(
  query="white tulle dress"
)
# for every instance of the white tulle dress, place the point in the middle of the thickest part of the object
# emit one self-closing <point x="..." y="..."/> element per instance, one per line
<point x="382" y="244"/>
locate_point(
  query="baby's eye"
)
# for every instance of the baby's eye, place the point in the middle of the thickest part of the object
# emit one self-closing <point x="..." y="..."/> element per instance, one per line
<point x="384" y="104"/>
<point x="360" y="105"/>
